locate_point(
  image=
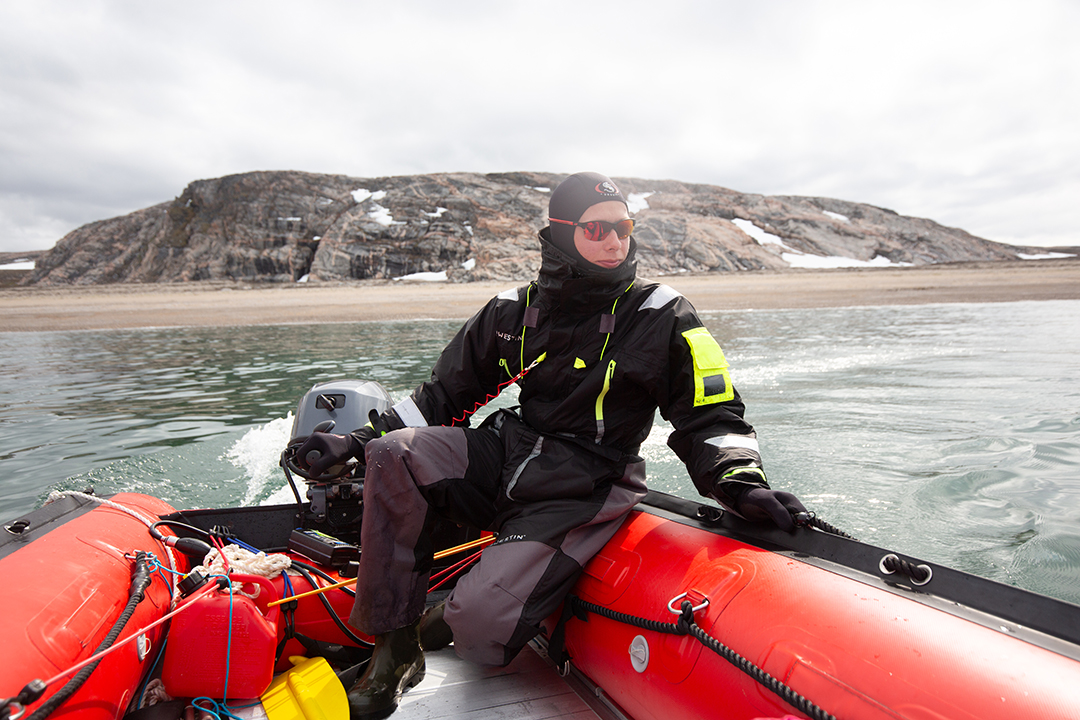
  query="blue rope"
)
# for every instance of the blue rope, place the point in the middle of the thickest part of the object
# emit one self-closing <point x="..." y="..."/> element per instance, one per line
<point x="218" y="709"/>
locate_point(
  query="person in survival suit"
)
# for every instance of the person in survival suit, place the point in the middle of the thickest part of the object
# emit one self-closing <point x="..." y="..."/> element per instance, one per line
<point x="595" y="353"/>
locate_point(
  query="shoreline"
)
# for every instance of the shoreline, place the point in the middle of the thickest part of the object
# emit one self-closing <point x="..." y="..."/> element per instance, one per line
<point x="103" y="307"/>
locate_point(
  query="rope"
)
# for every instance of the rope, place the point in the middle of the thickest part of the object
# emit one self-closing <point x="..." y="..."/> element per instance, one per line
<point x="784" y="692"/>
<point x="638" y="622"/>
<point x="820" y="524"/>
<point x="155" y="693"/>
<point x="919" y="574"/>
<point x="242" y="560"/>
<point x="141" y="579"/>
<point x="149" y="522"/>
<point x="352" y="581"/>
<point x="463" y="547"/>
<point x="687" y="626"/>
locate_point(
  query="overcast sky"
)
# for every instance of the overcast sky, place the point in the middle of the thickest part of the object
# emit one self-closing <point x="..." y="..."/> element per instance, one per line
<point x="964" y="112"/>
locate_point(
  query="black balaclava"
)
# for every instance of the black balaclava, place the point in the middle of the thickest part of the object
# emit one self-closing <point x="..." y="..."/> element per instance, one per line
<point x="574" y="196"/>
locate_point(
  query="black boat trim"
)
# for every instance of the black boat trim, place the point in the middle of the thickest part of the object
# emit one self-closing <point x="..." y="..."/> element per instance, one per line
<point x="1040" y="620"/>
<point x="23" y="530"/>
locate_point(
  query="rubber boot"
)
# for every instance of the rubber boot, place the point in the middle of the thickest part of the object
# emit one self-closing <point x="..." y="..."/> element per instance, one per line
<point x="397" y="664"/>
<point x="435" y="634"/>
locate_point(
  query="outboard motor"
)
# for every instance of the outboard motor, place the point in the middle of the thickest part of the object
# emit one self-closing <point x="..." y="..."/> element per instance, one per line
<point x="340" y="406"/>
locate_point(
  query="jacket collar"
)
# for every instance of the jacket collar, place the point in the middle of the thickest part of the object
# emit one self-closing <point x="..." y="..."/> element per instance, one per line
<point x="567" y="285"/>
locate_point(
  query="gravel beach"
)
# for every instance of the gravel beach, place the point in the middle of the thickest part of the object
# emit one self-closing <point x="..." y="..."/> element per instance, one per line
<point x="33" y="309"/>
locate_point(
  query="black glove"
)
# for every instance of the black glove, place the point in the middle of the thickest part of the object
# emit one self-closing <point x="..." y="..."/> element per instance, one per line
<point x="761" y="503"/>
<point x="327" y="450"/>
<point x="322" y="451"/>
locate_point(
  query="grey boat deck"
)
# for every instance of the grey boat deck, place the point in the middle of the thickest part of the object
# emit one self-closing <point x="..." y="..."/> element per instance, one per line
<point x="527" y="689"/>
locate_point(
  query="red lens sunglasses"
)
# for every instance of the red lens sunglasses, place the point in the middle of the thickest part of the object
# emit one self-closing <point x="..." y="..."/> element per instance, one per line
<point x="597" y="230"/>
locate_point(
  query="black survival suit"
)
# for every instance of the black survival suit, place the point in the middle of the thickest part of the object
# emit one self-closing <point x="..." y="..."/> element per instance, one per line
<point x="600" y="352"/>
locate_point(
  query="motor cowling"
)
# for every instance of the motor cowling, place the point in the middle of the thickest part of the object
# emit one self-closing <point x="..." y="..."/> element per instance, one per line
<point x="339" y="406"/>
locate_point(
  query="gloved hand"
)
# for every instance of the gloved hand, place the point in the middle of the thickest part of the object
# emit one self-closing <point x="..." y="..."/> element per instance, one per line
<point x="761" y="503"/>
<point x="322" y="451"/>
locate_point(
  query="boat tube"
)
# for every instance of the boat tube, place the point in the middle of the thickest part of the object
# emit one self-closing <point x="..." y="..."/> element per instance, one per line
<point x="68" y="572"/>
<point x="808" y="622"/>
<point x="688" y="611"/>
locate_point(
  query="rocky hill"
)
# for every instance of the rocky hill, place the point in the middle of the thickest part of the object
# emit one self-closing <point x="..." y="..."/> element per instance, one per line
<point x="284" y="226"/>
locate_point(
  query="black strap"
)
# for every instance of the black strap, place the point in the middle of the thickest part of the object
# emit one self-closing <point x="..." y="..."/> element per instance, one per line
<point x="556" y="649"/>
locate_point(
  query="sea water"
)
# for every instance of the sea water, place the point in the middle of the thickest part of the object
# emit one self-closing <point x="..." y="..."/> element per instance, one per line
<point x="947" y="432"/>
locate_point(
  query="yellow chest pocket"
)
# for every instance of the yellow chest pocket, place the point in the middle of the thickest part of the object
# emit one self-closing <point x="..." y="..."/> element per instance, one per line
<point x="712" y="380"/>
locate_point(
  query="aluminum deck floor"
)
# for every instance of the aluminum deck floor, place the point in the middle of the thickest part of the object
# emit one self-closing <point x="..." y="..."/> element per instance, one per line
<point x="527" y="689"/>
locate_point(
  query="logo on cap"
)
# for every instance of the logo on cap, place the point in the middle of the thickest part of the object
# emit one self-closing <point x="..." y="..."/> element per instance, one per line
<point x="607" y="188"/>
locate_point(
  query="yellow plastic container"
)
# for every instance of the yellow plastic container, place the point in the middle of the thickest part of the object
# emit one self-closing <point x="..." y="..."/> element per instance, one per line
<point x="310" y="690"/>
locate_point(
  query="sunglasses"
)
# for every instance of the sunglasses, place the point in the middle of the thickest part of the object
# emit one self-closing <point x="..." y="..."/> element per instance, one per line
<point x="597" y="230"/>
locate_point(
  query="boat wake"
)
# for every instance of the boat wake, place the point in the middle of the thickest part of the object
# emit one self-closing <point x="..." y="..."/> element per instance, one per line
<point x="257" y="453"/>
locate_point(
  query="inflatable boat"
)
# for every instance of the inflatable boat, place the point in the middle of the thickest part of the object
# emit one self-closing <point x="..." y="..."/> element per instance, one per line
<point x="112" y="608"/>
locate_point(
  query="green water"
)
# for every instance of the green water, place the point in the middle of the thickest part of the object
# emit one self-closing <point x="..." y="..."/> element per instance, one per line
<point x="947" y="432"/>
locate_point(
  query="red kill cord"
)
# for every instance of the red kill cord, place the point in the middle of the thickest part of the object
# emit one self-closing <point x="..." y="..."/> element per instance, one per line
<point x="498" y="390"/>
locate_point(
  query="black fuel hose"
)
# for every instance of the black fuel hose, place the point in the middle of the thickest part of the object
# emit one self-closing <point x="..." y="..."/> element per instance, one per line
<point x="141" y="577"/>
<point x="191" y="547"/>
<point x="306" y="570"/>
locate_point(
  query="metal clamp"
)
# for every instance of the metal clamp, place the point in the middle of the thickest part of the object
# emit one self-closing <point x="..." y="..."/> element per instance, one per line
<point x="677" y="598"/>
<point x="19" y="710"/>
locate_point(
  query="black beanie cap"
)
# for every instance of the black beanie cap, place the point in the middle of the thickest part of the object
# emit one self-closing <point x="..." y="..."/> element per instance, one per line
<point x="572" y="198"/>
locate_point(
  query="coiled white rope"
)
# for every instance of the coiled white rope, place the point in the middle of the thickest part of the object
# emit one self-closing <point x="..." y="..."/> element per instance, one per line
<point x="244" y="561"/>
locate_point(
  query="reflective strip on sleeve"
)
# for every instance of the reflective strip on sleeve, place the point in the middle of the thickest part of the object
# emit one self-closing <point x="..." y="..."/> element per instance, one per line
<point x="750" y="470"/>
<point x="712" y="381"/>
<point x="734" y="441"/>
<point x="659" y="297"/>
<point x="511" y="294"/>
<point x="410" y="414"/>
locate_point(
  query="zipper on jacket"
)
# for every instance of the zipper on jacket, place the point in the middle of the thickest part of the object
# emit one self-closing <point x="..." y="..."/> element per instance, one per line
<point x="600" y="402"/>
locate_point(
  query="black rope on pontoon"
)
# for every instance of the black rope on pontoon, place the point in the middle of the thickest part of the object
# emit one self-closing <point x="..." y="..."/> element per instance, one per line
<point x="809" y="518"/>
<point x="919" y="574"/>
<point x="685" y="626"/>
<point x="141" y="577"/>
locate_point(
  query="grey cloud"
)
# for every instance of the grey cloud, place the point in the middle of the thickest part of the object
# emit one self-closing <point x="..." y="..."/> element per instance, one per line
<point x="114" y="106"/>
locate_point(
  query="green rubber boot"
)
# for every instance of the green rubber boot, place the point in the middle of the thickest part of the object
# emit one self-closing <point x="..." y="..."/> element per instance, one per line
<point x="397" y="664"/>
<point x="435" y="634"/>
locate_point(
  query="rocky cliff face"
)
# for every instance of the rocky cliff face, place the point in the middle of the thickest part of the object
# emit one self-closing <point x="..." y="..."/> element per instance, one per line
<point x="282" y="226"/>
